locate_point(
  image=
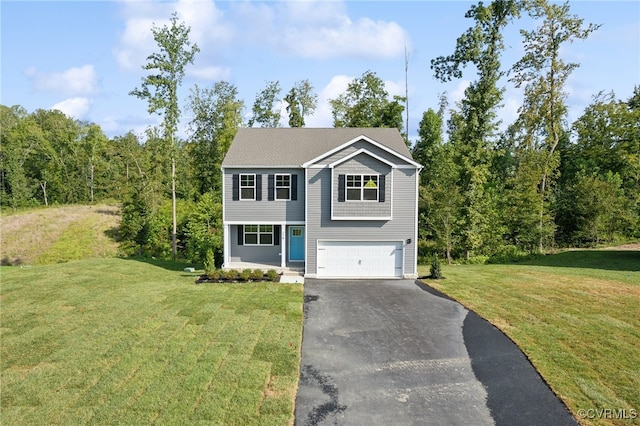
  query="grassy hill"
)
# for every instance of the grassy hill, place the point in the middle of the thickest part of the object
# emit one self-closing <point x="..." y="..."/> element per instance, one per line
<point x="58" y="234"/>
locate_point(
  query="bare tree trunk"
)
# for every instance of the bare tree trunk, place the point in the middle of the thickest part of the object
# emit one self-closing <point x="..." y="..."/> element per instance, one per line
<point x="174" y="232"/>
<point x="43" y="185"/>
<point x="92" y="169"/>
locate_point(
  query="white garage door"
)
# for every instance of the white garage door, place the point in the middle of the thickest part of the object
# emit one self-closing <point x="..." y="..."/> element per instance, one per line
<point x="355" y="259"/>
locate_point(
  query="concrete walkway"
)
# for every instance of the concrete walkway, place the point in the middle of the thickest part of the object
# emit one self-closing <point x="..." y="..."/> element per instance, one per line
<point x="397" y="353"/>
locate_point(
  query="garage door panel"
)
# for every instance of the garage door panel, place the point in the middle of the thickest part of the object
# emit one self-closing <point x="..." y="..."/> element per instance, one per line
<point x="360" y="259"/>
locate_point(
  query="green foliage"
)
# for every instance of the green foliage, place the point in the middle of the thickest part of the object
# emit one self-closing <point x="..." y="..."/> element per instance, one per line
<point x="257" y="275"/>
<point x="366" y="103"/>
<point x="273" y="275"/>
<point x="230" y="274"/>
<point x="435" y="269"/>
<point x="209" y="262"/>
<point x="203" y="229"/>
<point x="301" y="101"/>
<point x="266" y="109"/>
<point x="245" y="275"/>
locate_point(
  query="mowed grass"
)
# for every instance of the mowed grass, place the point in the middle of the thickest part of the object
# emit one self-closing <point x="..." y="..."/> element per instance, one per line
<point x="576" y="316"/>
<point x="116" y="341"/>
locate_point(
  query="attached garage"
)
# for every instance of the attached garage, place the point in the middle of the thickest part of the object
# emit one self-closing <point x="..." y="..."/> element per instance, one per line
<point x="360" y="259"/>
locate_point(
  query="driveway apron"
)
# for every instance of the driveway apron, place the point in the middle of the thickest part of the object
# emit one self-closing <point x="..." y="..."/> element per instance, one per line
<point x="393" y="352"/>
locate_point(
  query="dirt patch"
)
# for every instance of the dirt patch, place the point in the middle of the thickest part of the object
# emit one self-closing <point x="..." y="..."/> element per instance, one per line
<point x="632" y="246"/>
<point x="25" y="237"/>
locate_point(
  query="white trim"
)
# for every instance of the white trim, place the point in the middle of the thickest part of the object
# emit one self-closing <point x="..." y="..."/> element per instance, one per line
<point x="357" y="139"/>
<point x="361" y="218"/>
<point x="361" y="188"/>
<point x="255" y="185"/>
<point x="269" y="222"/>
<point x="258" y="233"/>
<point x="415" y="221"/>
<point x="275" y="186"/>
<point x="259" y="166"/>
<point x="306" y="210"/>
<point x="226" y="230"/>
<point x="362" y="151"/>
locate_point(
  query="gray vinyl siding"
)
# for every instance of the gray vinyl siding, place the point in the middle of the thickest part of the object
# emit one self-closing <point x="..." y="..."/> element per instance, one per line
<point x="362" y="165"/>
<point x="400" y="228"/>
<point x="263" y="211"/>
<point x="252" y="254"/>
<point x="362" y="145"/>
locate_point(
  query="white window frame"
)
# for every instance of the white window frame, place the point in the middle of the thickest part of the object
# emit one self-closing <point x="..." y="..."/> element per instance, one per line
<point x="241" y="187"/>
<point x="362" y="187"/>
<point x="260" y="230"/>
<point x="276" y="186"/>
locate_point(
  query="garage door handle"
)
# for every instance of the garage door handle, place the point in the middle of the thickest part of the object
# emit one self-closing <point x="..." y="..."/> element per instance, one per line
<point x="359" y="262"/>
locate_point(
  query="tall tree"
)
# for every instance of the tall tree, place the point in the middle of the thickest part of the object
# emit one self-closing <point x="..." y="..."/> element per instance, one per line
<point x="266" y="107"/>
<point x="481" y="45"/>
<point x="301" y="102"/>
<point x="544" y="74"/>
<point x="366" y="103"/>
<point x="160" y="89"/>
<point x="217" y="115"/>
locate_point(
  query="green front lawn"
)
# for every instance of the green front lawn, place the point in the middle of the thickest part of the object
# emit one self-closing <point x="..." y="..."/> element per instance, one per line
<point x="110" y="341"/>
<point x="576" y="316"/>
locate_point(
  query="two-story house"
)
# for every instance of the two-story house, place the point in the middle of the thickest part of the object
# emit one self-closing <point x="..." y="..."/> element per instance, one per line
<point x="338" y="202"/>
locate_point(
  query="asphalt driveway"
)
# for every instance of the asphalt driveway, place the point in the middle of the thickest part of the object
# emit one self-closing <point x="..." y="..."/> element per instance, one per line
<point x="396" y="352"/>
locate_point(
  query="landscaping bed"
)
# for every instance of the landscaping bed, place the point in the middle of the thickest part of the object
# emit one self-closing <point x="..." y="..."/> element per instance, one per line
<point x="236" y="276"/>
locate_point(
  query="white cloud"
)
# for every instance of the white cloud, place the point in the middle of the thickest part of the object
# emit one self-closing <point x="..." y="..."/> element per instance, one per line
<point x="322" y="29"/>
<point x="74" y="107"/>
<point x="74" y="81"/>
<point x="205" y="21"/>
<point x="322" y="116"/>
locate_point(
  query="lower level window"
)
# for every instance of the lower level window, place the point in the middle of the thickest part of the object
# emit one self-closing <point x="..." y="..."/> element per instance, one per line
<point x="258" y="235"/>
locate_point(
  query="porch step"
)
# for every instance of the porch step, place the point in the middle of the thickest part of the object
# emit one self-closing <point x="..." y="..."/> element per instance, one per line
<point x="291" y="277"/>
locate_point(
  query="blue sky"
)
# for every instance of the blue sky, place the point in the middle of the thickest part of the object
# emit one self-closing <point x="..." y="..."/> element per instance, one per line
<point x="84" y="57"/>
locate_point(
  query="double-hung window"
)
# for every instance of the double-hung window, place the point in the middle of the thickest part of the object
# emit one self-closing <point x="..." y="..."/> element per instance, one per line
<point x="283" y="187"/>
<point x="247" y="187"/>
<point x="362" y="187"/>
<point x="258" y="235"/>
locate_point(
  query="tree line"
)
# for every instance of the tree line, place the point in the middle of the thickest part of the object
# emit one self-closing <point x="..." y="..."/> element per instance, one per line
<point x="540" y="183"/>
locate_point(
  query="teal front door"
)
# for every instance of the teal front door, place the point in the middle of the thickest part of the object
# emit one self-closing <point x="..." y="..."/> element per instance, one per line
<point x="296" y="243"/>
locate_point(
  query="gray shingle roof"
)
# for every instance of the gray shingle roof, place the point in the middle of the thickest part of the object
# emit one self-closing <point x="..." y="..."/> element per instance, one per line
<point x="295" y="146"/>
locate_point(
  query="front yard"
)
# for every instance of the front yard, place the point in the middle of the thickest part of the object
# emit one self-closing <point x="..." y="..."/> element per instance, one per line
<point x="576" y="316"/>
<point x="109" y="341"/>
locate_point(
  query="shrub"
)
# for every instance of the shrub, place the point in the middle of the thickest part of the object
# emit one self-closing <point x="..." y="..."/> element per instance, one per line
<point x="273" y="276"/>
<point x="436" y="271"/>
<point x="257" y="275"/>
<point x="213" y="274"/>
<point x="245" y="275"/>
<point x="231" y="274"/>
<point x="209" y="262"/>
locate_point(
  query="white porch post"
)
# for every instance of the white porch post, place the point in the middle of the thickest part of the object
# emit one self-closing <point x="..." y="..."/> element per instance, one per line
<point x="283" y="247"/>
<point x="226" y="245"/>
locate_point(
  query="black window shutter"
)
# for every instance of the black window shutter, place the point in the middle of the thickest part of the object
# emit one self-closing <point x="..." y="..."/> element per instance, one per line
<point x="258" y="187"/>
<point x="240" y="235"/>
<point x="235" y="179"/>
<point x="270" y="188"/>
<point x="381" y="188"/>
<point x="341" y="189"/>
<point x="276" y="235"/>
<point x="294" y="187"/>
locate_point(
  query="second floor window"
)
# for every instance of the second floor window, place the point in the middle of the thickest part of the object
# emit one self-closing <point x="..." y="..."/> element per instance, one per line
<point x="247" y="187"/>
<point x="362" y="187"/>
<point x="283" y="187"/>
